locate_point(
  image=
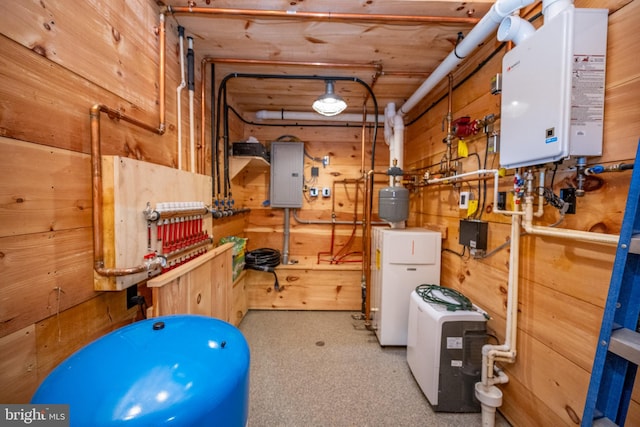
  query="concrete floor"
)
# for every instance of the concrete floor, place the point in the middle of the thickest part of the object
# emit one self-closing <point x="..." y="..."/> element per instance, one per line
<point x="318" y="368"/>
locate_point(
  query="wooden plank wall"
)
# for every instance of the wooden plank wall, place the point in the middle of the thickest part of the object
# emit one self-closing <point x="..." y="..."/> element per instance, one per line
<point x="58" y="59"/>
<point x="50" y="79"/>
<point x="314" y="282"/>
<point x="563" y="283"/>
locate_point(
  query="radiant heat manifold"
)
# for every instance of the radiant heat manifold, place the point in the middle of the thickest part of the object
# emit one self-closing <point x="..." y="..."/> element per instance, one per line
<point x="175" y="231"/>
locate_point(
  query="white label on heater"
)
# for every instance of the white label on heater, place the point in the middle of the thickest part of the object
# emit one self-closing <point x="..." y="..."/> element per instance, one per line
<point x="456" y="363"/>
<point x="454" y="342"/>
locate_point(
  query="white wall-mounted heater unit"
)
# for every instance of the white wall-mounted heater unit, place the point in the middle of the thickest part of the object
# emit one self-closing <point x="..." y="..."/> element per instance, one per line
<point x="553" y="91"/>
<point x="444" y="353"/>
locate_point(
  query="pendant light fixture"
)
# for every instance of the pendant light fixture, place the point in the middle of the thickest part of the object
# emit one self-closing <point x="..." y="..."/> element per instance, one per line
<point x="329" y="104"/>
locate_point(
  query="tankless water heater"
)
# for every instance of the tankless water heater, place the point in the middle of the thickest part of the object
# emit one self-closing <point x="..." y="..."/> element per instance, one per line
<point x="553" y="90"/>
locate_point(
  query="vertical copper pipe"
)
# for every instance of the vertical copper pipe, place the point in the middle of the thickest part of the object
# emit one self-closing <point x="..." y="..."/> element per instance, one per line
<point x="161" y="77"/>
<point x="449" y="137"/>
<point x="96" y="189"/>
<point x="96" y="163"/>
<point x="366" y="244"/>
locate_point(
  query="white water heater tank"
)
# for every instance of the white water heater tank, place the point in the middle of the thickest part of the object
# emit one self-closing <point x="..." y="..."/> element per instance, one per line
<point x="553" y="90"/>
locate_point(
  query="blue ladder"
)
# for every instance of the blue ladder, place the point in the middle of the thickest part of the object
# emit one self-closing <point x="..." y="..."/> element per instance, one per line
<point x="618" y="353"/>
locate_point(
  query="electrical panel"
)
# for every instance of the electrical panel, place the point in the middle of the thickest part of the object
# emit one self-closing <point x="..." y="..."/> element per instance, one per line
<point x="553" y="91"/>
<point x="287" y="174"/>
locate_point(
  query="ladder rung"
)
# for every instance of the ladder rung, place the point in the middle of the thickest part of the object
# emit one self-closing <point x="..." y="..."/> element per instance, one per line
<point x="604" y="422"/>
<point x="634" y="244"/>
<point x="626" y="344"/>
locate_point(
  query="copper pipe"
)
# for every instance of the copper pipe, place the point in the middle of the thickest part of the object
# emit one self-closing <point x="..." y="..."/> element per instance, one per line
<point x="332" y="16"/>
<point x="366" y="241"/>
<point x="449" y="137"/>
<point x="96" y="180"/>
<point x="406" y="73"/>
<point x="366" y="247"/>
<point x="293" y="63"/>
<point x="453" y="180"/>
<point x="96" y="164"/>
<point x="96" y="177"/>
<point x="113" y="272"/>
<point x="161" y="77"/>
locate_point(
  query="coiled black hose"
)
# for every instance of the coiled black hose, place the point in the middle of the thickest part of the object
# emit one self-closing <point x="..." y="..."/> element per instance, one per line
<point x="264" y="259"/>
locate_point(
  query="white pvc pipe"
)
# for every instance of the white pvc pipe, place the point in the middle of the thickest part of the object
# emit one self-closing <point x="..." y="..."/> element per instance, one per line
<point x="586" y="236"/>
<point x="486" y="391"/>
<point x="516" y="29"/>
<point x="485" y="27"/>
<point x="389" y="114"/>
<point x="551" y="8"/>
<point x="479" y="172"/>
<point x="397" y="151"/>
<point x="182" y="85"/>
<point x="303" y="115"/>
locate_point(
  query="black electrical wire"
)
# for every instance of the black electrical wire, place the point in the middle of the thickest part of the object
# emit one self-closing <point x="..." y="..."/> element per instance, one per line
<point x="215" y="184"/>
<point x="461" y="254"/>
<point x="264" y="259"/>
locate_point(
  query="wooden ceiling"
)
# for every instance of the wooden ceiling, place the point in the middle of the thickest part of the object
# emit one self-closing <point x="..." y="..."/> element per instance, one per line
<point x="390" y="46"/>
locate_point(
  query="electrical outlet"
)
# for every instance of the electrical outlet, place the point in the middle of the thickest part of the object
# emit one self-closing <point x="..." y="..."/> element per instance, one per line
<point x="313" y="192"/>
<point x="464" y="199"/>
<point x="326" y="192"/>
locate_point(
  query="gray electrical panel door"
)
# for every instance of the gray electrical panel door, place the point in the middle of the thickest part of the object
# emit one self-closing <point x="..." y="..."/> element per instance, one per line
<point x="287" y="174"/>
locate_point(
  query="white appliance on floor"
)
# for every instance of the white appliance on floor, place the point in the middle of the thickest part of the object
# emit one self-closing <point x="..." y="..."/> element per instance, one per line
<point x="401" y="260"/>
<point x="444" y="353"/>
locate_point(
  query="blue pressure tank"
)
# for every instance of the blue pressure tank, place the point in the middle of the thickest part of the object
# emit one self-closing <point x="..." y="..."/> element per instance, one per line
<point x="181" y="370"/>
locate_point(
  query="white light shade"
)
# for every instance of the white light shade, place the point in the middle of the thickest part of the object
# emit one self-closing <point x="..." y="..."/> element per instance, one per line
<point x="329" y="104"/>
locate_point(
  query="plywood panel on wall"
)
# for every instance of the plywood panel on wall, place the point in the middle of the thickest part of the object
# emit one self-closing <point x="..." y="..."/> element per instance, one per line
<point x="128" y="187"/>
